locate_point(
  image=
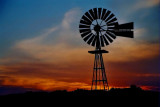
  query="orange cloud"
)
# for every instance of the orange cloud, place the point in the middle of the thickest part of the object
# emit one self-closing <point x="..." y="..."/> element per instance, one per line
<point x="50" y="76"/>
<point x="42" y="83"/>
<point x="120" y="50"/>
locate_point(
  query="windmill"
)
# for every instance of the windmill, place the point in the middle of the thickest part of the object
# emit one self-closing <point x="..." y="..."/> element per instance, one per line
<point x="99" y="27"/>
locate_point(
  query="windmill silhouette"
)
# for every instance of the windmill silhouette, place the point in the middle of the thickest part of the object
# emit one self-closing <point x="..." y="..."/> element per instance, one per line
<point x="99" y="27"/>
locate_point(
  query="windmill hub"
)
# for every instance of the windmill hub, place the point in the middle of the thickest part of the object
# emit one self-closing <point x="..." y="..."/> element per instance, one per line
<point x="97" y="28"/>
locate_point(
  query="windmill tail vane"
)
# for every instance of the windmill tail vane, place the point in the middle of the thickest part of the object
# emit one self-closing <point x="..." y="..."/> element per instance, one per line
<point x="124" y="30"/>
<point x="99" y="27"/>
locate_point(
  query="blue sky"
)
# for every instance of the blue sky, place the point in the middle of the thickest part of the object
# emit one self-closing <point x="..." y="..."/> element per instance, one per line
<point x="31" y="31"/>
<point x="21" y="19"/>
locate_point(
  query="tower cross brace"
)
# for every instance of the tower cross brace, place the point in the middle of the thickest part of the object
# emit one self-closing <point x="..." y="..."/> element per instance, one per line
<point x="99" y="80"/>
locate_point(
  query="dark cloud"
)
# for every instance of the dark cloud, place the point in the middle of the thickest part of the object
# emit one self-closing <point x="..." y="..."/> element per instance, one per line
<point x="143" y="73"/>
<point x="4" y="90"/>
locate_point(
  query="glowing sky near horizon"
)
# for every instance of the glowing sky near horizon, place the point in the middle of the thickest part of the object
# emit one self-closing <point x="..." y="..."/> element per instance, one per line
<point x="41" y="48"/>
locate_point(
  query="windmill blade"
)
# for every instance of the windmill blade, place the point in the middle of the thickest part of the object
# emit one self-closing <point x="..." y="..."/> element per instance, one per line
<point x="106" y="15"/>
<point x="105" y="40"/>
<point x="87" y="37"/>
<point x="112" y="20"/>
<point x="84" y="26"/>
<point x="111" y="16"/>
<point x="108" y="38"/>
<point x="103" y="13"/>
<point x="84" y="30"/>
<point x="102" y="42"/>
<point x="99" y="13"/>
<point x="94" y="41"/>
<point x="111" y="35"/>
<point x="92" y="13"/>
<point x="95" y="12"/>
<point x="91" y="39"/>
<point x="84" y="22"/>
<point x="85" y="34"/>
<point x="86" y="19"/>
<point x="89" y="17"/>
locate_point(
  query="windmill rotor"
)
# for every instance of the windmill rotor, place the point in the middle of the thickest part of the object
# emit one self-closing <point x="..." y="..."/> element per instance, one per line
<point x="99" y="27"/>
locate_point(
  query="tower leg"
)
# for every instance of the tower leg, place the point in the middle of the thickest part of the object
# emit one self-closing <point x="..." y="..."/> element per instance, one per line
<point x="99" y="79"/>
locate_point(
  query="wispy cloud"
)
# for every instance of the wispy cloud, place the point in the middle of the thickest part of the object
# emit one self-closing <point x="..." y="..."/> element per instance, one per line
<point x="124" y="49"/>
<point x="148" y="75"/>
<point x="145" y="4"/>
<point x="130" y="8"/>
<point x="63" y="49"/>
<point x="42" y="83"/>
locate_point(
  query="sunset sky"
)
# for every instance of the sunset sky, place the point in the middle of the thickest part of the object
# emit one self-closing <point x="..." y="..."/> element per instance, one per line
<point x="41" y="47"/>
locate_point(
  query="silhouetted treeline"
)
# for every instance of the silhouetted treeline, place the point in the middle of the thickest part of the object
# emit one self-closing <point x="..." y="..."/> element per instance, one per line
<point x="128" y="97"/>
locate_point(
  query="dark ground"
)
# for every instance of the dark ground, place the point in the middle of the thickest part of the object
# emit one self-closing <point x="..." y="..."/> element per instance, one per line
<point x="129" y="97"/>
